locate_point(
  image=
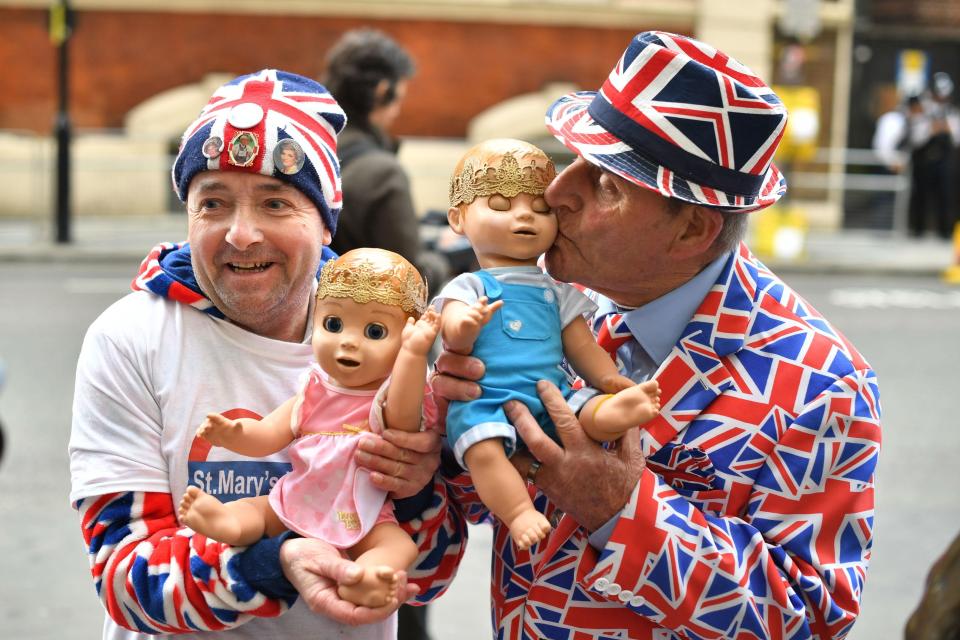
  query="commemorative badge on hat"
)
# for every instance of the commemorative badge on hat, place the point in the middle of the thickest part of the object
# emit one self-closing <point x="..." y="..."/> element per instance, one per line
<point x="681" y="118"/>
<point x="273" y="123"/>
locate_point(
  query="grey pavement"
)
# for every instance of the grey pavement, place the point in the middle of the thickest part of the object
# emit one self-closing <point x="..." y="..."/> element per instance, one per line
<point x="907" y="329"/>
<point x="128" y="238"/>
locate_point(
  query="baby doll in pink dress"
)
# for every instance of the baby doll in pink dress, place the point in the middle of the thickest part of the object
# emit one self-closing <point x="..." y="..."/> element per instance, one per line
<point x="368" y="327"/>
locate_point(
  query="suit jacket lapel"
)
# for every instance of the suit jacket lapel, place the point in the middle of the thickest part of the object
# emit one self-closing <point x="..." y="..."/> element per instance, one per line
<point x="694" y="373"/>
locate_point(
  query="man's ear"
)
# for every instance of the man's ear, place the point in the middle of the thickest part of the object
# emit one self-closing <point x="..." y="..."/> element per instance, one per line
<point x="382" y="94"/>
<point x="455" y="218"/>
<point x="697" y="228"/>
<point x="326" y="238"/>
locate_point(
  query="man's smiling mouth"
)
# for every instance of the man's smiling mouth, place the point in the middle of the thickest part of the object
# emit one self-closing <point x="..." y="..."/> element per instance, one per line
<point x="247" y="267"/>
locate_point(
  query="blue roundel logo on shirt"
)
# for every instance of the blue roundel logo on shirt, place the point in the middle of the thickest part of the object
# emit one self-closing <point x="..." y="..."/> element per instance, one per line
<point x="229" y="476"/>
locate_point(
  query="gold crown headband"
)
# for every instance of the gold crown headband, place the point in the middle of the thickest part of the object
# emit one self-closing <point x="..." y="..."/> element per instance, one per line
<point x="478" y="179"/>
<point x="362" y="281"/>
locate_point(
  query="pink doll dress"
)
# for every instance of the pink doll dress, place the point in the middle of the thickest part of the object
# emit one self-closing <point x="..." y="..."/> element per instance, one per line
<point x="326" y="495"/>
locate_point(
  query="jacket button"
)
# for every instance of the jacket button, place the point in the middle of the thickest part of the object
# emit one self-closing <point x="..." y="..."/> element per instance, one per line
<point x="625" y="596"/>
<point x="613" y="589"/>
<point x="636" y="601"/>
<point x="601" y="584"/>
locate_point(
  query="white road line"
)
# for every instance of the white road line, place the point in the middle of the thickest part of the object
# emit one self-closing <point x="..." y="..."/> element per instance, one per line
<point x="895" y="298"/>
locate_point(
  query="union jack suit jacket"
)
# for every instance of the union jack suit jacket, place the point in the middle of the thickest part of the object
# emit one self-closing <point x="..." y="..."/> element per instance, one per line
<point x="754" y="515"/>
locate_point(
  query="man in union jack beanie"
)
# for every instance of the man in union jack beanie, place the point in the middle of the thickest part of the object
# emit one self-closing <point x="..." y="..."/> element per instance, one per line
<point x="221" y="323"/>
<point x="745" y="509"/>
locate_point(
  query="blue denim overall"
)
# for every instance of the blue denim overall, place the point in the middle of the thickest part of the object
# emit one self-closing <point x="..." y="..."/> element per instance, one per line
<point x="520" y="345"/>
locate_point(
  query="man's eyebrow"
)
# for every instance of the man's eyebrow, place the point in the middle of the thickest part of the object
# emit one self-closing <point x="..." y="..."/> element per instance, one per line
<point x="211" y="184"/>
<point x="273" y="187"/>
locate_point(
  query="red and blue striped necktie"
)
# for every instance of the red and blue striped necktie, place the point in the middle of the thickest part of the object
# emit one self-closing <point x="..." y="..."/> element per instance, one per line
<point x="612" y="333"/>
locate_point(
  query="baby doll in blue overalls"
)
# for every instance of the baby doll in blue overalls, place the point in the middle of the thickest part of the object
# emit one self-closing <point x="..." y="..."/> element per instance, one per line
<point x="521" y="324"/>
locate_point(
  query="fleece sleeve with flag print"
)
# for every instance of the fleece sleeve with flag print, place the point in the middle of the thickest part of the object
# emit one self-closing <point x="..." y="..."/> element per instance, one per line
<point x="154" y="576"/>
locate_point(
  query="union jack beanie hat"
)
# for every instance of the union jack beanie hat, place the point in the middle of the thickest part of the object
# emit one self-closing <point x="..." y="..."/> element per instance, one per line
<point x="273" y="123"/>
<point x="679" y="117"/>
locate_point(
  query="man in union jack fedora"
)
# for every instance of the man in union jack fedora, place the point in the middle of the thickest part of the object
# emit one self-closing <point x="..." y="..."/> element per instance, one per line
<point x="745" y="509"/>
<point x="222" y="323"/>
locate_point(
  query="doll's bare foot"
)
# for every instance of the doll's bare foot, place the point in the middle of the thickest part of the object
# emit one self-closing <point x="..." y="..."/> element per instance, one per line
<point x="377" y="588"/>
<point x="529" y="528"/>
<point x="615" y="415"/>
<point x="208" y="516"/>
<point x="649" y="410"/>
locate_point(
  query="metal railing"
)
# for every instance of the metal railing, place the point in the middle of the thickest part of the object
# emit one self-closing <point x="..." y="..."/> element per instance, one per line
<point x="871" y="196"/>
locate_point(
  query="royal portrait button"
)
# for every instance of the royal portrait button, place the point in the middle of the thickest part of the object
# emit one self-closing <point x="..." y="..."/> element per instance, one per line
<point x="243" y="149"/>
<point x="288" y="156"/>
<point x="212" y="147"/>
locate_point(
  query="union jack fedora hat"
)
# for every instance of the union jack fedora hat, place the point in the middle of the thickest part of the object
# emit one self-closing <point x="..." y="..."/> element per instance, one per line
<point x="679" y="117"/>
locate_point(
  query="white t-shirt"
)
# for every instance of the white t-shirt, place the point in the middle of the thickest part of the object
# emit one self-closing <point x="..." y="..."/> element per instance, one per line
<point x="149" y="372"/>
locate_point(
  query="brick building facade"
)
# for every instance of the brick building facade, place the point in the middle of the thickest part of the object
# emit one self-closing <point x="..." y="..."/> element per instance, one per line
<point x="121" y="58"/>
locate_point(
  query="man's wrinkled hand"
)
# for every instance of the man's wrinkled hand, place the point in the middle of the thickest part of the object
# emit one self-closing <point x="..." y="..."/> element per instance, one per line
<point x="315" y="569"/>
<point x="454" y="378"/>
<point x="581" y="478"/>
<point x="401" y="463"/>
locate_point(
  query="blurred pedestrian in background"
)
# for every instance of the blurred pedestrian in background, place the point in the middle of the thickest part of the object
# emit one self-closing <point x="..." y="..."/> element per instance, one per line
<point x="368" y="73"/>
<point x="890" y="140"/>
<point x="927" y="128"/>
<point x="937" y="617"/>
<point x="939" y="159"/>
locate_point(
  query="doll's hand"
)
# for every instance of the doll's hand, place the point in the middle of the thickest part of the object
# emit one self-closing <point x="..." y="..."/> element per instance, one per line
<point x="219" y="431"/>
<point x="582" y="478"/>
<point x="479" y="313"/>
<point x="418" y="337"/>
<point x="315" y="569"/>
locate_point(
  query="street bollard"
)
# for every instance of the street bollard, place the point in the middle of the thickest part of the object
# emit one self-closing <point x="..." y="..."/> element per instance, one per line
<point x="951" y="274"/>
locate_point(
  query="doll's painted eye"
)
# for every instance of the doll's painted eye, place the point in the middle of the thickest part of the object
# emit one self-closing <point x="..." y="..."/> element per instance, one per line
<point x="333" y="324"/>
<point x="540" y="205"/>
<point x="499" y="203"/>
<point x="375" y="331"/>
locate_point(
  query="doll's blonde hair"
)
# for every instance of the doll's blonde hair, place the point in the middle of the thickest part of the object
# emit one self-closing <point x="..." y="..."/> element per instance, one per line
<point x="374" y="275"/>
<point x="502" y="166"/>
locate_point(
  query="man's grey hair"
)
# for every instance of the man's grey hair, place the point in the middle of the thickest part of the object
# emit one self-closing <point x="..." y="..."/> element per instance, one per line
<point x="733" y="232"/>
